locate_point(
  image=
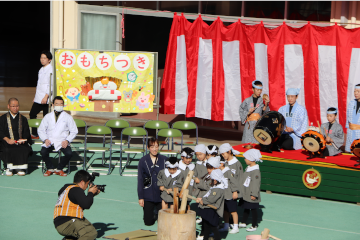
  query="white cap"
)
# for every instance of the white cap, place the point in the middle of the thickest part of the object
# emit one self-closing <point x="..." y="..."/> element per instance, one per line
<point x="253" y="155"/>
<point x="214" y="161"/>
<point x="218" y="175"/>
<point x="227" y="147"/>
<point x="200" y="148"/>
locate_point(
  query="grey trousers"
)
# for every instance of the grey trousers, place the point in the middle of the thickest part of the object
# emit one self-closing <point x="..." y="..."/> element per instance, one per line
<point x="80" y="229"/>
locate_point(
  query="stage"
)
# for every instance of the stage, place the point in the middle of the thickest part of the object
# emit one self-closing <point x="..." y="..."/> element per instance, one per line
<point x="284" y="172"/>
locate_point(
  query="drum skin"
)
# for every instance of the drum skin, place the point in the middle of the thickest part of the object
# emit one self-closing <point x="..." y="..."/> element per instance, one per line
<point x="355" y="147"/>
<point x="313" y="141"/>
<point x="269" y="127"/>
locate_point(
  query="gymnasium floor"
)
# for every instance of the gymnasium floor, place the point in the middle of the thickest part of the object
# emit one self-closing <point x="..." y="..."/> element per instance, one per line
<point x="27" y="203"/>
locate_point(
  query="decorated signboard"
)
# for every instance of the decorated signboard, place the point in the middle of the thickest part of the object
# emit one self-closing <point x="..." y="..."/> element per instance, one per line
<point x="105" y="81"/>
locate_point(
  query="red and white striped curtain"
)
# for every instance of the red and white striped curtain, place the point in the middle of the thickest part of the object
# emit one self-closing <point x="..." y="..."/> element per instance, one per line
<point x="209" y="69"/>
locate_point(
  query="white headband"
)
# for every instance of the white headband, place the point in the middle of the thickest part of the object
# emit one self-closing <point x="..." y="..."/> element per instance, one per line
<point x="227" y="147"/>
<point x="200" y="148"/>
<point x="357" y="87"/>
<point x="255" y="86"/>
<point x="184" y="154"/>
<point x="169" y="165"/>
<point x="253" y="155"/>
<point x="331" y="112"/>
<point x="213" y="150"/>
<point x="214" y="161"/>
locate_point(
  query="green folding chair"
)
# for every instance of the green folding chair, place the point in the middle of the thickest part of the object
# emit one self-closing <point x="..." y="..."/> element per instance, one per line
<point x="132" y="131"/>
<point x="118" y="124"/>
<point x="170" y="133"/>
<point x="80" y="124"/>
<point x="35" y="123"/>
<point x="154" y="124"/>
<point x="183" y="126"/>
<point x="99" y="130"/>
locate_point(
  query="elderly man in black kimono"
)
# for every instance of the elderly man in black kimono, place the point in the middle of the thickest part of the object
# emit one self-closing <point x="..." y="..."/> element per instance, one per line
<point x="15" y="139"/>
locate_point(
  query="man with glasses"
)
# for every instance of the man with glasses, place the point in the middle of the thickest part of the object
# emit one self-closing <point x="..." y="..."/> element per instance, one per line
<point x="15" y="139"/>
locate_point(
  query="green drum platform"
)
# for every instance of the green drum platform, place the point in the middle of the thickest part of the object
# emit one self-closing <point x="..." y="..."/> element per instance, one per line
<point x="286" y="176"/>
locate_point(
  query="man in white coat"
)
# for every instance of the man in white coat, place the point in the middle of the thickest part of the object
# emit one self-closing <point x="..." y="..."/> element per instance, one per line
<point x="57" y="130"/>
<point x="41" y="99"/>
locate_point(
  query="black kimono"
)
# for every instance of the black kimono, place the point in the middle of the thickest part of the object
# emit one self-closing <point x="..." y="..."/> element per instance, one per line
<point x="15" y="155"/>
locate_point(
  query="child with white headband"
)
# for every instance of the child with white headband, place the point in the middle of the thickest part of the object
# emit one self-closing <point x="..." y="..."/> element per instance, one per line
<point x="200" y="172"/>
<point x="211" y="151"/>
<point x="252" y="105"/>
<point x="185" y="165"/>
<point x="215" y="197"/>
<point x="250" y="188"/>
<point x="230" y="198"/>
<point x="333" y="133"/>
<point x="169" y="178"/>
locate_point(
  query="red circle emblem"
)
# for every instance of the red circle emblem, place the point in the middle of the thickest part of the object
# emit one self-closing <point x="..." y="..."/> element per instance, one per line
<point x="311" y="178"/>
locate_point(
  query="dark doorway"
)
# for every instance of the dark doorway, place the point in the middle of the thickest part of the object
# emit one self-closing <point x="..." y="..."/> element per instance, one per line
<point x="25" y="32"/>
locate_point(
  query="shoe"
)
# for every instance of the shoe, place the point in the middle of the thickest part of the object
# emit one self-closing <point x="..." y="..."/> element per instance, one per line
<point x="60" y="173"/>
<point x="200" y="237"/>
<point x="242" y="225"/>
<point x="9" y="172"/>
<point x="235" y="230"/>
<point x="223" y="229"/>
<point x="34" y="137"/>
<point x="21" y="173"/>
<point x="251" y="229"/>
<point x="199" y="220"/>
<point x="48" y="173"/>
<point x="231" y="226"/>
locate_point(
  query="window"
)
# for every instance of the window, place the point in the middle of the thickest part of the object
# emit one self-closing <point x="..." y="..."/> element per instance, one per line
<point x="98" y="31"/>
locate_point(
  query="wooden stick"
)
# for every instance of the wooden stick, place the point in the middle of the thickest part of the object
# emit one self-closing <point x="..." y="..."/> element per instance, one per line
<point x="209" y="205"/>
<point x="265" y="233"/>
<point x="176" y="200"/>
<point x="193" y="198"/>
<point x="186" y="182"/>
<point x="184" y="201"/>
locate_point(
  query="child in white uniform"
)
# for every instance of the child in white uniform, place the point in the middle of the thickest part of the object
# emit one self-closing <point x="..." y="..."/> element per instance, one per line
<point x="251" y="181"/>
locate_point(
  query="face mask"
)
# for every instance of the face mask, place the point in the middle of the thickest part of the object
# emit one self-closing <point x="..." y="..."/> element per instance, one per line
<point x="58" y="108"/>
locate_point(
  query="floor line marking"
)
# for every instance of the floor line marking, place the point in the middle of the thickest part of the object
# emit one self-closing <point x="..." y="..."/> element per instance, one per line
<point x="311" y="226"/>
<point x="33" y="190"/>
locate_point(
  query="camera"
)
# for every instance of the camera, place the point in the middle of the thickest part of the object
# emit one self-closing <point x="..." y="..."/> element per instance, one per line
<point x="92" y="179"/>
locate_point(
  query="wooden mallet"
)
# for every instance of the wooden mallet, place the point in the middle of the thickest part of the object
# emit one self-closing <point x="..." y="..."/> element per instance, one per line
<point x="184" y="200"/>
<point x="186" y="182"/>
<point x="266" y="234"/>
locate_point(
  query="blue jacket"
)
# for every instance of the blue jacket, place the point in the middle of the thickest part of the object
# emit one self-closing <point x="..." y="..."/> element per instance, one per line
<point x="150" y="193"/>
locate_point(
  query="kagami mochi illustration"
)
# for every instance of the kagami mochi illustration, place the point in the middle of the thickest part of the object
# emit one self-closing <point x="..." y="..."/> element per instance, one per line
<point x="104" y="90"/>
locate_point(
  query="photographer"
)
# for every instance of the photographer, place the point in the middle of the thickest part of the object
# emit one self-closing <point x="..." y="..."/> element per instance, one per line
<point x="69" y="217"/>
<point x="148" y="191"/>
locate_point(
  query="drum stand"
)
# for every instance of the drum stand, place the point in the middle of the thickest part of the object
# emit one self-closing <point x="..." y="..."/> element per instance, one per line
<point x="269" y="148"/>
<point x="316" y="155"/>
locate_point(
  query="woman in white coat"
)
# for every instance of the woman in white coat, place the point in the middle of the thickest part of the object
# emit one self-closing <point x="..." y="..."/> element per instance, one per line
<point x="57" y="130"/>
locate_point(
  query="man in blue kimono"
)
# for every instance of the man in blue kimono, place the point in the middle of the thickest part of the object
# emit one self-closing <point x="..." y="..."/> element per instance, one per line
<point x="353" y="119"/>
<point x="296" y="122"/>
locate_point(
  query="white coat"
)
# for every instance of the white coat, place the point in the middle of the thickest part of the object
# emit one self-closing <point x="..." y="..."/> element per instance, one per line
<point x="57" y="132"/>
<point x="43" y="84"/>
